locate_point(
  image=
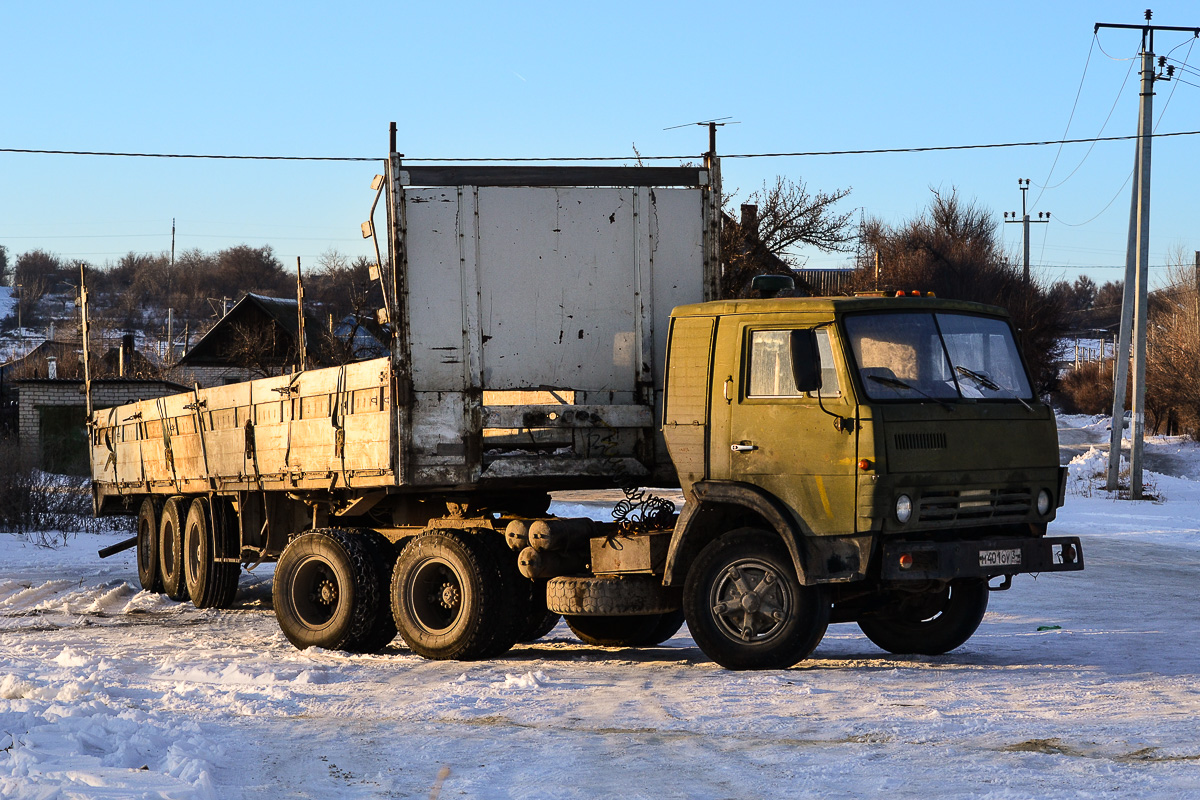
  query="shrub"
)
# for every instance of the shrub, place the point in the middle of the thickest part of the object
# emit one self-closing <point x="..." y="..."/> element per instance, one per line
<point x="1087" y="389"/>
<point x="33" y="501"/>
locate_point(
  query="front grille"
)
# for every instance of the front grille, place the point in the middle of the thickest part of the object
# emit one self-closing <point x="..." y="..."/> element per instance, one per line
<point x="920" y="441"/>
<point x="975" y="504"/>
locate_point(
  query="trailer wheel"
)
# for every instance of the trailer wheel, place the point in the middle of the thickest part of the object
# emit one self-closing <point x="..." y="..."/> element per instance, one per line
<point x="447" y="598"/>
<point x="746" y="609"/>
<point x="170" y="548"/>
<point x="326" y="590"/>
<point x="929" y="623"/>
<point x="147" y="545"/>
<point x="381" y="554"/>
<point x="210" y="583"/>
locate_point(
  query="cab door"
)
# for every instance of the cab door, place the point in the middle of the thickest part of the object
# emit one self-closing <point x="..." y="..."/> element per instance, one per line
<point x="799" y="446"/>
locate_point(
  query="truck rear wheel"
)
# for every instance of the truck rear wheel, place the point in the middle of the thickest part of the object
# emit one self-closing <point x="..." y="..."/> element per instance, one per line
<point x="447" y="599"/>
<point x="382" y="555"/>
<point x="648" y="630"/>
<point x="210" y="583"/>
<point x="147" y="545"/>
<point x="929" y="623"/>
<point x="170" y="548"/>
<point x="745" y="607"/>
<point x="326" y="590"/>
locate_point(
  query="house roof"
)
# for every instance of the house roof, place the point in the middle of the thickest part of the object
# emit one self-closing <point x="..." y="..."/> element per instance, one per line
<point x="281" y="313"/>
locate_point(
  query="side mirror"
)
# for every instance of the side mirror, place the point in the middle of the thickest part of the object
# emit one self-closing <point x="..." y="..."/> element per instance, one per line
<point x="806" y="360"/>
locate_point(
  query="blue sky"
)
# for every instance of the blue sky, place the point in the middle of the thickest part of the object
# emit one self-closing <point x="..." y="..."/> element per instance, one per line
<point x="563" y="79"/>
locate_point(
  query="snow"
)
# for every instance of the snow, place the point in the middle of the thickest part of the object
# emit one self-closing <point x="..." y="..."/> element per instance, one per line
<point x="1076" y="685"/>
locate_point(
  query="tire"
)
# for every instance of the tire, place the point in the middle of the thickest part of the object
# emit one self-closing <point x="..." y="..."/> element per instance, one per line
<point x="668" y="625"/>
<point x="170" y="548"/>
<point x="382" y="556"/>
<point x="746" y="609"/>
<point x="628" y="595"/>
<point x="929" y="623"/>
<point x="540" y="620"/>
<point x="326" y="593"/>
<point x="640" y="631"/>
<point x="210" y="583"/>
<point x="147" y="545"/>
<point x="514" y="595"/>
<point x="448" y="596"/>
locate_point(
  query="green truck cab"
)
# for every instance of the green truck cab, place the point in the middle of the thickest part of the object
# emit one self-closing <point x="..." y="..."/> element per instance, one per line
<point x="868" y="459"/>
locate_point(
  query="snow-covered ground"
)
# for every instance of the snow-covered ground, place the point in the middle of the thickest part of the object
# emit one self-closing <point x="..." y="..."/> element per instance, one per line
<point x="1076" y="685"/>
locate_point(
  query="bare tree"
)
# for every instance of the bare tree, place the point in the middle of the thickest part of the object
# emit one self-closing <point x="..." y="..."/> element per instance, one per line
<point x="953" y="249"/>
<point x="774" y="222"/>
<point x="1173" y="352"/>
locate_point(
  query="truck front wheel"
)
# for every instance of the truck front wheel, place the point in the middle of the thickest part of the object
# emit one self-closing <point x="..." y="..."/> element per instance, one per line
<point x="326" y="590"/>
<point x="745" y="607"/>
<point x="928" y="623"/>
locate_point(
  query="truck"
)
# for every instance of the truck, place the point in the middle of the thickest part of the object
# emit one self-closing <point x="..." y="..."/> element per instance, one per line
<point x="869" y="459"/>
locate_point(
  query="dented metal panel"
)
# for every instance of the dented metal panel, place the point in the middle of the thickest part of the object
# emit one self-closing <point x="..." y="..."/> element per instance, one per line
<point x="548" y="288"/>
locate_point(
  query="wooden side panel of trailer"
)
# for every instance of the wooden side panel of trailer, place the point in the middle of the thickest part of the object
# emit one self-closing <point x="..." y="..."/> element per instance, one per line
<point x="319" y="429"/>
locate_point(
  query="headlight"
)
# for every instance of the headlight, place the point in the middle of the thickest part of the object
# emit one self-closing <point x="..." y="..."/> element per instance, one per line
<point x="903" y="508"/>
<point x="1043" y="502"/>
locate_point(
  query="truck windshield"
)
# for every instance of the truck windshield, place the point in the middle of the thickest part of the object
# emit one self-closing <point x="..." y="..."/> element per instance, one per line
<point x="938" y="356"/>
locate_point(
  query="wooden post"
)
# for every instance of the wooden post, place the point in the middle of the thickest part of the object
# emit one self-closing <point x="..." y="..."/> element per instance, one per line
<point x="301" y="343"/>
<point x="83" y="312"/>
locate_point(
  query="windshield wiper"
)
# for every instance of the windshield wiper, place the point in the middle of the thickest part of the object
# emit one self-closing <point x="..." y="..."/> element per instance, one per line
<point x="896" y="383"/>
<point x="987" y="383"/>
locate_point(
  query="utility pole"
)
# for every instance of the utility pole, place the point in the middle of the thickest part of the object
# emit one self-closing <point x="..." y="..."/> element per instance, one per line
<point x="1124" y="333"/>
<point x="1141" y="247"/>
<point x="1023" y="183"/>
<point x="713" y="288"/>
<point x="713" y="165"/>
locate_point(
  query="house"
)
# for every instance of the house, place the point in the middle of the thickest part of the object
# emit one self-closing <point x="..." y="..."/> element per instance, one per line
<point x="258" y="338"/>
<point x="52" y="416"/>
<point x="40" y="362"/>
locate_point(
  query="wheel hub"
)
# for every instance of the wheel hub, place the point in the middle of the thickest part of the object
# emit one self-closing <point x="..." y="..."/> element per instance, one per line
<point x="751" y="604"/>
<point x="326" y="593"/>
<point x="450" y="597"/>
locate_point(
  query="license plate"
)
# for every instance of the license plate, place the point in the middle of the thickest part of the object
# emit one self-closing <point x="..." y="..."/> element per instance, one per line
<point x="1000" y="558"/>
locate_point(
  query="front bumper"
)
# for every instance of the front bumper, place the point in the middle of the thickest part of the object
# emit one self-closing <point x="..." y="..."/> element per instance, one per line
<point x="909" y="560"/>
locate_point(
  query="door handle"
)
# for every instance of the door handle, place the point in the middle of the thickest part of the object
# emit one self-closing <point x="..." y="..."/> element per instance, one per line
<point x="743" y="448"/>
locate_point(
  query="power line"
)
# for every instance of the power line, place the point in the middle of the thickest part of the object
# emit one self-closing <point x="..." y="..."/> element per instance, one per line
<point x="527" y="159"/>
<point x="1070" y="119"/>
<point x="1116" y="100"/>
<point x="958" y="147"/>
<point x="180" y="155"/>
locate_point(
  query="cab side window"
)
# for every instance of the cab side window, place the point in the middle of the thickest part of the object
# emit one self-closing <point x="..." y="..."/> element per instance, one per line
<point x="771" y="365"/>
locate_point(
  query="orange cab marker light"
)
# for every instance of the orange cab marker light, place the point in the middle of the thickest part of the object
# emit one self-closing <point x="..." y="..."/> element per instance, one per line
<point x="906" y="561"/>
<point x="864" y="464"/>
